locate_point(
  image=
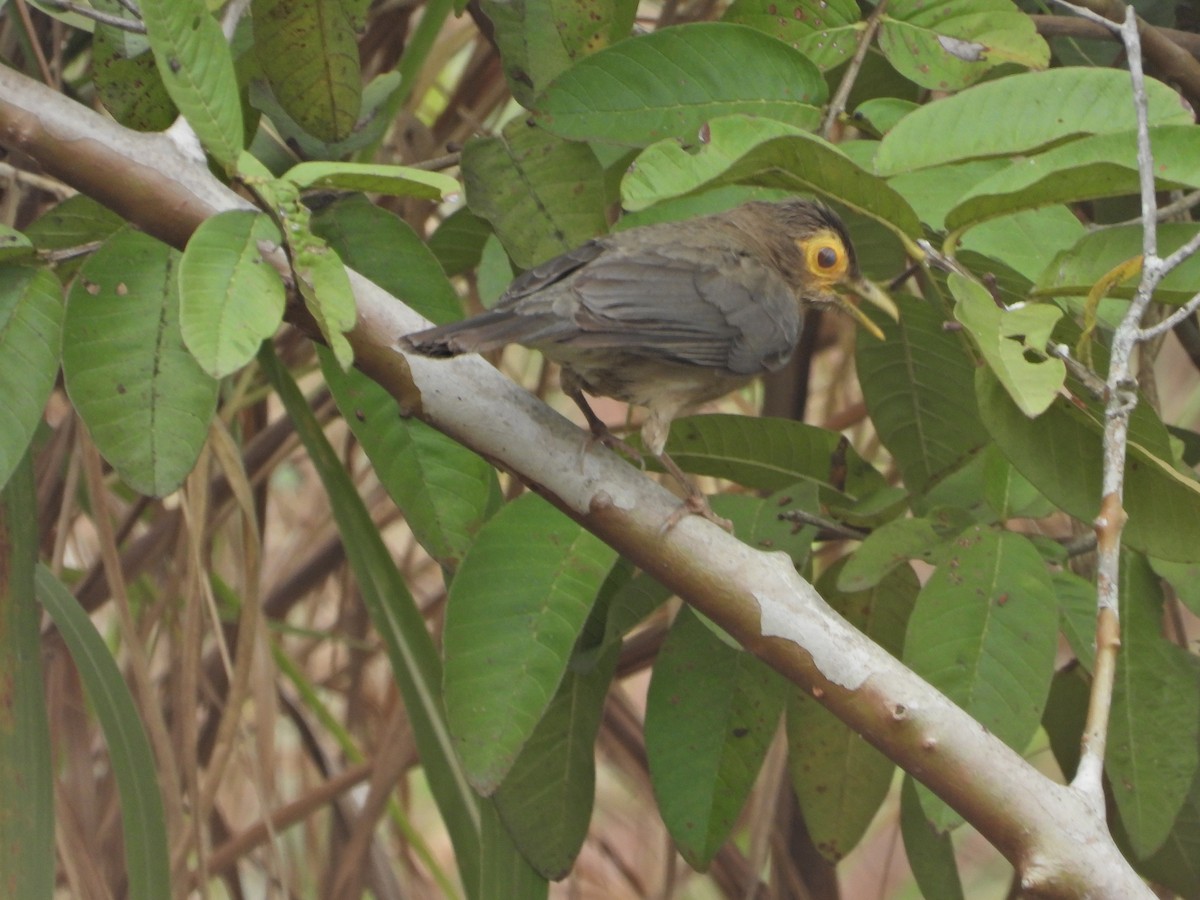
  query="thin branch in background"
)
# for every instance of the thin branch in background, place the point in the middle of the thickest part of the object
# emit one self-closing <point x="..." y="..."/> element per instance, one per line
<point x="1094" y="383"/>
<point x="1172" y="63"/>
<point x="31" y="33"/>
<point x="832" y="529"/>
<point x="1182" y="205"/>
<point x="1084" y="13"/>
<point x="1122" y="398"/>
<point x="1071" y="27"/>
<point x="97" y="16"/>
<point x="51" y="186"/>
<point x="837" y="104"/>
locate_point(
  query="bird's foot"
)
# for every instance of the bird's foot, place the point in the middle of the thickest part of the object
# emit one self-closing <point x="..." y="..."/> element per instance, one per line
<point x="695" y="505"/>
<point x="694" y="501"/>
<point x="600" y="434"/>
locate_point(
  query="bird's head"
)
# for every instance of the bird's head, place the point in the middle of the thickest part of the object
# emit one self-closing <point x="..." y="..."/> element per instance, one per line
<point x="824" y="260"/>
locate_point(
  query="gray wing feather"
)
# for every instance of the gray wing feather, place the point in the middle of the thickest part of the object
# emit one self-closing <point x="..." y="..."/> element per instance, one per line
<point x="717" y="310"/>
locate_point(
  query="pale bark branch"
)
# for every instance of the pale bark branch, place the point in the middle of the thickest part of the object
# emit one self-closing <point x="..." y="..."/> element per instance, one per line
<point x="1122" y="399"/>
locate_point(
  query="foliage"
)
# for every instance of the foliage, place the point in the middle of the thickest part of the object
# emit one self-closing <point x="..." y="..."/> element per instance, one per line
<point x="948" y="529"/>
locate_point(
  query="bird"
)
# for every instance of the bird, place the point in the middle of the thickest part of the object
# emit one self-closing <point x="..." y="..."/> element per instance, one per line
<point x="673" y="315"/>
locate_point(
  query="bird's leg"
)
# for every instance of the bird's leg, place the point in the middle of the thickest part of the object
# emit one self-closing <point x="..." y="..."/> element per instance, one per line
<point x="600" y="432"/>
<point x="694" y="501"/>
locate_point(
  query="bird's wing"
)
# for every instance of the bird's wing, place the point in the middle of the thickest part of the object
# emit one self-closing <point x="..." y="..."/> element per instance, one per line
<point x="550" y="272"/>
<point x="699" y="306"/>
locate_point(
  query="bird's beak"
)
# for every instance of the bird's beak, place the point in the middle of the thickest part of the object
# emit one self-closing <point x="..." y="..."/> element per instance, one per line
<point x="876" y="296"/>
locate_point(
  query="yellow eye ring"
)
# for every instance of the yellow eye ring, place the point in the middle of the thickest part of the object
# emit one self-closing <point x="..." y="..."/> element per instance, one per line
<point x="825" y="256"/>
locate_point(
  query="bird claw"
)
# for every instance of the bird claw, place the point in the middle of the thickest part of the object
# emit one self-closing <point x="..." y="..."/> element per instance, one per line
<point x="695" y="504"/>
<point x="600" y="434"/>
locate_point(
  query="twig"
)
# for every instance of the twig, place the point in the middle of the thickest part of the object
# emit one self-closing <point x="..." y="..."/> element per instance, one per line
<point x="50" y="185"/>
<point x="1094" y="383"/>
<point x="31" y="33"/>
<point x="1183" y="204"/>
<point x="837" y="104"/>
<point x="97" y="16"/>
<point x="1183" y="312"/>
<point x="1084" y="13"/>
<point x="1069" y="26"/>
<point x="1122" y="398"/>
<point x="1172" y="63"/>
<point x="829" y="526"/>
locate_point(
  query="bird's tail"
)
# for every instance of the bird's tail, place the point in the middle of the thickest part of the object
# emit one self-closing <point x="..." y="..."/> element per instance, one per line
<point x="479" y="334"/>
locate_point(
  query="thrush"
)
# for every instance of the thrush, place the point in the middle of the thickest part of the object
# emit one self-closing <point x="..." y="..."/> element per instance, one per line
<point x="671" y="316"/>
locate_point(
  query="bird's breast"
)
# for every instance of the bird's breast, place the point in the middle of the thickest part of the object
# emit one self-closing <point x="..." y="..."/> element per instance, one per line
<point x="647" y="382"/>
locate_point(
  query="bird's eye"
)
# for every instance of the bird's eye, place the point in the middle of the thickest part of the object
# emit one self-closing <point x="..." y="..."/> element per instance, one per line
<point x="825" y="255"/>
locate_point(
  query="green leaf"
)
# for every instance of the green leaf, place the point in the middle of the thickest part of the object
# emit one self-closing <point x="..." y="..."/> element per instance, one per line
<point x="711" y="711"/>
<point x="1075" y="269"/>
<point x="26" y="759"/>
<point x="745" y="150"/>
<point x="444" y="490"/>
<point x="458" y="242"/>
<point x="671" y="168"/>
<point x="1176" y="865"/>
<point x="308" y="51"/>
<point x="546" y="799"/>
<point x="952" y="44"/>
<point x="669" y="83"/>
<point x="756" y="520"/>
<point x="322" y="280"/>
<point x="1077" y="616"/>
<point x="840" y="779"/>
<point x="770" y="454"/>
<point x="984" y="632"/>
<point x="1154" y="735"/>
<point x="882" y="113"/>
<point x="142" y="395"/>
<point x="396" y="618"/>
<point x="378" y="99"/>
<point x="126" y="76"/>
<point x="31" y="321"/>
<point x="383" y="247"/>
<point x="927" y="429"/>
<point x="230" y="298"/>
<point x="1025" y="241"/>
<point x="826" y="31"/>
<point x="934" y="191"/>
<point x="1102" y="165"/>
<point x="1007" y="338"/>
<point x="539" y="39"/>
<point x="930" y="853"/>
<point x="197" y="69"/>
<point x="1008" y="492"/>
<point x="888" y="548"/>
<point x="1184" y="578"/>
<point x="1037" y="108"/>
<point x="544" y="196"/>
<point x="77" y="220"/>
<point x="14" y="246"/>
<point x="147" y="857"/>
<point x="396" y="181"/>
<point x="1060" y="452"/>
<point x="516" y="607"/>
<point x="504" y="874"/>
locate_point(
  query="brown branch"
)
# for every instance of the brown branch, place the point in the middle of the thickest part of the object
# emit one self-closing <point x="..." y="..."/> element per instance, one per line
<point x="1169" y="61"/>
<point x="1072" y="27"/>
